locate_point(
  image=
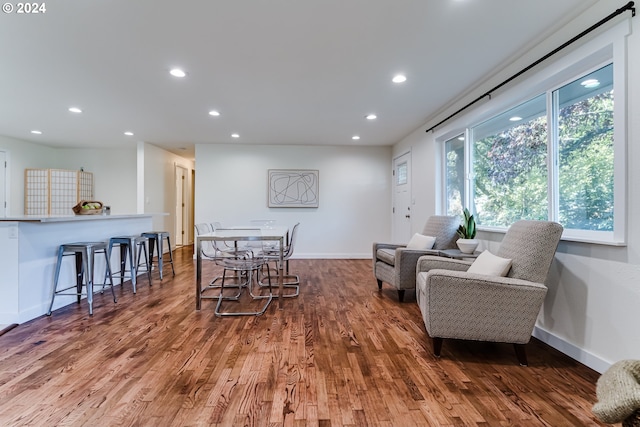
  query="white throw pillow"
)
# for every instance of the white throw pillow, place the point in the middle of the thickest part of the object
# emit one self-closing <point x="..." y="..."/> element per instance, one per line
<point x="490" y="264"/>
<point x="420" y="241"/>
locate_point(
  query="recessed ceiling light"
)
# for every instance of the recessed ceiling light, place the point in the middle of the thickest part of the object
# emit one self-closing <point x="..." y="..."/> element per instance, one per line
<point x="36" y="132"/>
<point x="590" y="83"/>
<point x="214" y="113"/>
<point x="75" y="110"/>
<point x="177" y="72"/>
<point x="515" y="118"/>
<point x="461" y="138"/>
<point x="371" y="117"/>
<point x="355" y="137"/>
<point x="399" y="78"/>
<point x="128" y="133"/>
<point x="235" y="135"/>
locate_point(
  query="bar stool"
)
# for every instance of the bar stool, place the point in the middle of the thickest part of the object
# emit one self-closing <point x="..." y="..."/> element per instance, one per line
<point x="128" y="245"/>
<point x="84" y="253"/>
<point x="156" y="239"/>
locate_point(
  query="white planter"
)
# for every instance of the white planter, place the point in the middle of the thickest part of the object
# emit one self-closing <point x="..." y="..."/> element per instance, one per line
<point x="467" y="246"/>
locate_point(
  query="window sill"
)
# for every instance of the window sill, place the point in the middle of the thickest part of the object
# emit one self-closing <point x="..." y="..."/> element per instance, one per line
<point x="605" y="238"/>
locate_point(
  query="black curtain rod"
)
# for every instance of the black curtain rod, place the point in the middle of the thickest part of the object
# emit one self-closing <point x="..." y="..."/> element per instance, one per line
<point x="628" y="6"/>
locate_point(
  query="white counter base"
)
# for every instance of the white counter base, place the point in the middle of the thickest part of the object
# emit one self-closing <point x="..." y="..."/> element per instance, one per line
<point x="28" y="249"/>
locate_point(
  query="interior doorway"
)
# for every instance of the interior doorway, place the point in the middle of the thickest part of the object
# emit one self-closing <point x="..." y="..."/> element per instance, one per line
<point x="402" y="198"/>
<point x="182" y="204"/>
<point x="192" y="205"/>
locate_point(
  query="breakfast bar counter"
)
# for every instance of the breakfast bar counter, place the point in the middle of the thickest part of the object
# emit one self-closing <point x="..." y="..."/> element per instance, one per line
<point x="28" y="248"/>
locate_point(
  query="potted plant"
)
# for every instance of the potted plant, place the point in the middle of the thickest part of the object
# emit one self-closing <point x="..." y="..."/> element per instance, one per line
<point x="467" y="233"/>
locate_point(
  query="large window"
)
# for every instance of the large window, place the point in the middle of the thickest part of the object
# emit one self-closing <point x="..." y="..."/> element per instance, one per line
<point x="584" y="115"/>
<point x="553" y="157"/>
<point x="510" y="165"/>
<point x="455" y="167"/>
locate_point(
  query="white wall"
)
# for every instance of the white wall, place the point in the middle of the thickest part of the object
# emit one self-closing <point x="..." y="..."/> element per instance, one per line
<point x="114" y="174"/>
<point x="592" y="309"/>
<point x="23" y="155"/>
<point x="355" y="198"/>
<point x="114" y="171"/>
<point x="424" y="176"/>
<point x="160" y="186"/>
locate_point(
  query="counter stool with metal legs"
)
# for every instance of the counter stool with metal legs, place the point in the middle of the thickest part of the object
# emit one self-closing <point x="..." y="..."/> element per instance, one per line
<point x="156" y="239"/>
<point x="128" y="245"/>
<point x="85" y="255"/>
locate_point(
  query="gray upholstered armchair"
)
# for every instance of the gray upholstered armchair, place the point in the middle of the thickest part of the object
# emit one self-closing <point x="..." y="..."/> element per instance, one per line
<point x="396" y="265"/>
<point x="470" y="306"/>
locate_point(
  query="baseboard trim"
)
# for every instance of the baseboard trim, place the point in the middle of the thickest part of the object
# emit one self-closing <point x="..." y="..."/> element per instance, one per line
<point x="586" y="358"/>
<point x="326" y="256"/>
<point x="331" y="256"/>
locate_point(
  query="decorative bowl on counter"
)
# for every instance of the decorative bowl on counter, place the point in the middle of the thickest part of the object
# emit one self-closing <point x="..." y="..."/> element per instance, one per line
<point x="88" y="207"/>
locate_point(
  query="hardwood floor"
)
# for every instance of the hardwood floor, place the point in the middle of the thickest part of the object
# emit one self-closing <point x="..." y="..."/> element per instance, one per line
<point x="341" y="354"/>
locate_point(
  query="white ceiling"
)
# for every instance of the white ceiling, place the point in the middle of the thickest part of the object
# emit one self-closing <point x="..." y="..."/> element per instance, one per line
<point x="279" y="71"/>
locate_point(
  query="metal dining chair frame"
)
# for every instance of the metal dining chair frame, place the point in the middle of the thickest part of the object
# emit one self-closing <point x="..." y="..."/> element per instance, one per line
<point x="273" y="255"/>
<point x="245" y="262"/>
<point x="208" y="251"/>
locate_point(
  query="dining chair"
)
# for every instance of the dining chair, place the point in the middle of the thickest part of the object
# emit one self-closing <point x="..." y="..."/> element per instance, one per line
<point x="243" y="263"/>
<point x="272" y="255"/>
<point x="208" y="251"/>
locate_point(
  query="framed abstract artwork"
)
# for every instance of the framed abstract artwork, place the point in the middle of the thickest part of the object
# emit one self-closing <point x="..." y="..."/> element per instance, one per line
<point x="293" y="188"/>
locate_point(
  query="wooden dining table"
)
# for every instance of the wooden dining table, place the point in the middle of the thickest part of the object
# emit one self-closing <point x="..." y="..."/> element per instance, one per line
<point x="243" y="233"/>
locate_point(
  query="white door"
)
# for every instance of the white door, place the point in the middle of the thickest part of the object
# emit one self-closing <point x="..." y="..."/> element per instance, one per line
<point x="182" y="237"/>
<point x="402" y="198"/>
<point x="3" y="183"/>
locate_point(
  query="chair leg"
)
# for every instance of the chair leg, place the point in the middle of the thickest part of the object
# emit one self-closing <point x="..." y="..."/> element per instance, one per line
<point x="109" y="250"/>
<point x="294" y="283"/>
<point x="152" y="242"/>
<point x="108" y="272"/>
<point x="123" y="263"/>
<point x="240" y="285"/>
<point x="521" y="353"/>
<point x="218" y="310"/>
<point x="257" y="276"/>
<point x="379" y="284"/>
<point x="171" y="256"/>
<point x="55" y="279"/>
<point x="79" y="275"/>
<point x="133" y="266"/>
<point x="143" y="247"/>
<point x="159" y="245"/>
<point x="437" y="346"/>
<point x="401" y="295"/>
<point x="87" y="264"/>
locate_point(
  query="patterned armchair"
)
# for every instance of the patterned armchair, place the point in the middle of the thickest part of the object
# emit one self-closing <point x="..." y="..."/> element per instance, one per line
<point x="461" y="305"/>
<point x="396" y="265"/>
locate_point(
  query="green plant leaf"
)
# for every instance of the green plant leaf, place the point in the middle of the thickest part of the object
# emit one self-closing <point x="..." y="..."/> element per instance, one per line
<point x="467" y="230"/>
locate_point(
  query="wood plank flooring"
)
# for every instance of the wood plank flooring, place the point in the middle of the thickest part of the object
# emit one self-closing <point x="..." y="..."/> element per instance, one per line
<point x="341" y="354"/>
